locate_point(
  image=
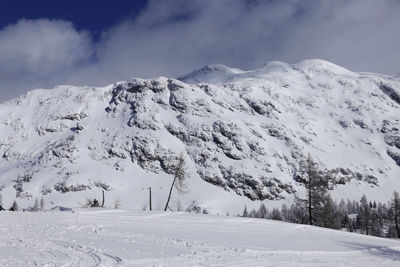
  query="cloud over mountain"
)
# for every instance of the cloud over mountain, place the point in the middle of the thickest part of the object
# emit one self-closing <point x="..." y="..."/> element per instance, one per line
<point x="171" y="37"/>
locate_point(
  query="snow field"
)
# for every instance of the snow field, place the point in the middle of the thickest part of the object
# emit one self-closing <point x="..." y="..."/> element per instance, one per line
<point x="101" y="237"/>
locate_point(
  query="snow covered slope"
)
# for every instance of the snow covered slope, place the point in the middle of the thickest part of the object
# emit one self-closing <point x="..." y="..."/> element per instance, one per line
<point x="126" y="238"/>
<point x="245" y="134"/>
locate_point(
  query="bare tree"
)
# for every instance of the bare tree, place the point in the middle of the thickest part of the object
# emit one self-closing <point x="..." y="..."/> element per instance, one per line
<point x="179" y="181"/>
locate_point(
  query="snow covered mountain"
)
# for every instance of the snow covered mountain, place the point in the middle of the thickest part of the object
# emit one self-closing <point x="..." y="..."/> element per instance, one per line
<point x="246" y="135"/>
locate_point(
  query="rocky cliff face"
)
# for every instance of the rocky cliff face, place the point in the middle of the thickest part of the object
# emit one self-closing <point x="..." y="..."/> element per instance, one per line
<point x="246" y="133"/>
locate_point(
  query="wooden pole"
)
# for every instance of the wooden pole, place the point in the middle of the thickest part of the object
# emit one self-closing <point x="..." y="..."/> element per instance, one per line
<point x="102" y="203"/>
<point x="150" y="196"/>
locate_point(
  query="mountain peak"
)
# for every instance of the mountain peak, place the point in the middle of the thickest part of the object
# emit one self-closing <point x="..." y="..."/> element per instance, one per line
<point x="212" y="73"/>
<point x="219" y="73"/>
<point x="320" y="65"/>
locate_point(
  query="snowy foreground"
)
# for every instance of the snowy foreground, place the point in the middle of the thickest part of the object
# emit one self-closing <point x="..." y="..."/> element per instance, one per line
<point x="116" y="237"/>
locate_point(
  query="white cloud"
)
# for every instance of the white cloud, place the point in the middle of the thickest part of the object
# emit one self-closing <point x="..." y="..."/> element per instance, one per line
<point x="45" y="45"/>
<point x="39" y="52"/>
<point x="173" y="37"/>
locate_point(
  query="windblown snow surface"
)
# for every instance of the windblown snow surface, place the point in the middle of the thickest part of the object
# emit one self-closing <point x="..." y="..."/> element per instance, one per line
<point x="245" y="134"/>
<point x="128" y="238"/>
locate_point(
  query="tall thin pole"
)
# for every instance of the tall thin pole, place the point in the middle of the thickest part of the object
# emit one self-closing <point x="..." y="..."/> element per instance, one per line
<point x="150" y="196"/>
<point x="102" y="203"/>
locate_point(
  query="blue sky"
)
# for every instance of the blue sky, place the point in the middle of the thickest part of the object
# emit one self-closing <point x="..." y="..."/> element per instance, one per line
<point x="46" y="43"/>
<point x="92" y="15"/>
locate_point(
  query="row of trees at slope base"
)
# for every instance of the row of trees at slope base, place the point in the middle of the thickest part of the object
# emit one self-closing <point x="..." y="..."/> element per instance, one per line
<point x="378" y="219"/>
<point x="37" y="206"/>
<point x="318" y="208"/>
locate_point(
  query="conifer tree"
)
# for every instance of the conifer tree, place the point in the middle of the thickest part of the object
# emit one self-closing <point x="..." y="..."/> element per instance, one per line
<point x="253" y="213"/>
<point x="365" y="214"/>
<point x="376" y="225"/>
<point x="317" y="187"/>
<point x="245" y="212"/>
<point x="262" y="212"/>
<point x="343" y="214"/>
<point x="395" y="211"/>
<point x="328" y="215"/>
<point x="42" y="204"/>
<point x="285" y="212"/>
<point x="36" y="205"/>
<point x="276" y="215"/>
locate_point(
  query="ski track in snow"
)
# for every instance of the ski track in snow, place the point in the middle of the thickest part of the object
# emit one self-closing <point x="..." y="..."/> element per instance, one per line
<point x="133" y="238"/>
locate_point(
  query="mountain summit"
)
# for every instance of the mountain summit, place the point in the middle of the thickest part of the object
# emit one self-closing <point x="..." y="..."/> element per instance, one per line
<point x="246" y="135"/>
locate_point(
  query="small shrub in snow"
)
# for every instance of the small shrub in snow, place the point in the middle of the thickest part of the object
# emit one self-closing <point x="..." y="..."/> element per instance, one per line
<point x="91" y="203"/>
<point x="46" y="190"/>
<point x="95" y="204"/>
<point x="193" y="208"/>
<point x="117" y="204"/>
<point x="14" y="206"/>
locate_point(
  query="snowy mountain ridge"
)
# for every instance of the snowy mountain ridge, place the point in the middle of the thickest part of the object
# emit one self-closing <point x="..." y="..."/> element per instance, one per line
<point x="245" y="134"/>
